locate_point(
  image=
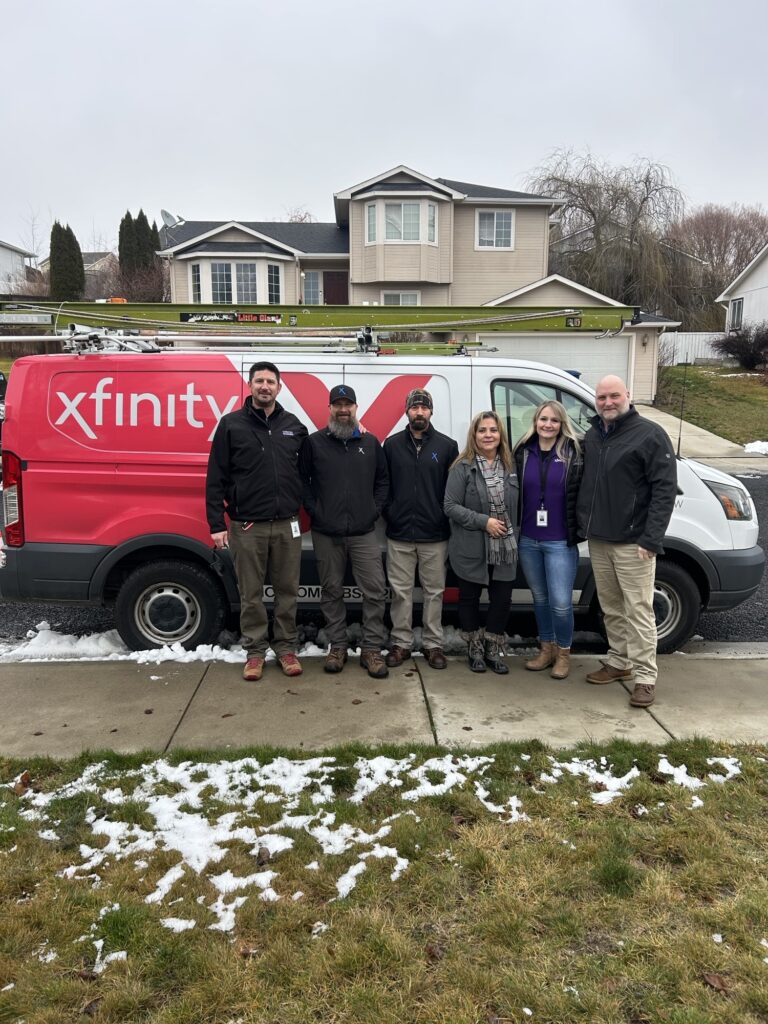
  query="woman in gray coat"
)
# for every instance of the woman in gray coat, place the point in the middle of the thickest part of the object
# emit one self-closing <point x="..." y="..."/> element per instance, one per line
<point x="481" y="504"/>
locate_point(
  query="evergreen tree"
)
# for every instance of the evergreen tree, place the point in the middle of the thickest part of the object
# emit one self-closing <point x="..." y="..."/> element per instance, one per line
<point x="127" y="252"/>
<point x="76" y="266"/>
<point x="66" y="263"/>
<point x="155" y="236"/>
<point x="145" y="252"/>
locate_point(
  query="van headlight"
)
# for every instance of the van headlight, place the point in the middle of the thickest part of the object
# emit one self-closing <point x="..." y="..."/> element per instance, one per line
<point x="735" y="500"/>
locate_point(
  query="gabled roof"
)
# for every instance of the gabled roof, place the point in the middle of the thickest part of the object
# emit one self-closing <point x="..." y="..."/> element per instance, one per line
<point x="488" y="192"/>
<point x="15" y="248"/>
<point x="298" y="238"/>
<point x="726" y="295"/>
<point x="554" y="278"/>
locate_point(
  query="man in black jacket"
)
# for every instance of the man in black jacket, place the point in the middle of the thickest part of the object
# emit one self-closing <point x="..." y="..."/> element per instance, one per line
<point x="418" y="459"/>
<point x="253" y="476"/>
<point x="345" y="486"/>
<point x="625" y="502"/>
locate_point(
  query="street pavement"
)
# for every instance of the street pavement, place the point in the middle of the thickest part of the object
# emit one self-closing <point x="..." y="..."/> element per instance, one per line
<point x="62" y="710"/>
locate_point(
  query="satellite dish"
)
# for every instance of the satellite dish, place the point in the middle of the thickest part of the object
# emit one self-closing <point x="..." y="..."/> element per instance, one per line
<point x="168" y="219"/>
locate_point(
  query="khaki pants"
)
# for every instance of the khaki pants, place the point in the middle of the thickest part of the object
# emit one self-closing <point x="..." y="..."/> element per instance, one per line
<point x="625" y="591"/>
<point x="267" y="551"/>
<point x="402" y="559"/>
<point x="364" y="553"/>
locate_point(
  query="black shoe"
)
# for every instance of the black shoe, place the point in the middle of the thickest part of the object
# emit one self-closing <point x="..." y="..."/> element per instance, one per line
<point x="475" y="652"/>
<point x="493" y="654"/>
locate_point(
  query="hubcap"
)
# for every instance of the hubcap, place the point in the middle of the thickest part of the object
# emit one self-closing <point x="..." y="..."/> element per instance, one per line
<point x="167" y="613"/>
<point x="666" y="610"/>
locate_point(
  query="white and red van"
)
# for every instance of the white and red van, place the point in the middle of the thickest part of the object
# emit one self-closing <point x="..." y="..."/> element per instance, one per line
<point x="104" y="458"/>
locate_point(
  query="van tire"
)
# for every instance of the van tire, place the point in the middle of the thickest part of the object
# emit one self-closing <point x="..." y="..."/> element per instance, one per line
<point x="162" y="603"/>
<point x="677" y="605"/>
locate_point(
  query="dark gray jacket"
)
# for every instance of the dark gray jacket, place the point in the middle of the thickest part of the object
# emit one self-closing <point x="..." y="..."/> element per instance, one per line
<point x="468" y="509"/>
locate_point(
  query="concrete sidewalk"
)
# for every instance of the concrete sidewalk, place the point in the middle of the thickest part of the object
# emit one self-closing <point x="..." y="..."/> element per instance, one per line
<point x="60" y="710"/>
<point x="697" y="443"/>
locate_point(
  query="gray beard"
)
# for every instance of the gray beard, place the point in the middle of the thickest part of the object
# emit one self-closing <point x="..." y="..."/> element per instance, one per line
<point x="341" y="431"/>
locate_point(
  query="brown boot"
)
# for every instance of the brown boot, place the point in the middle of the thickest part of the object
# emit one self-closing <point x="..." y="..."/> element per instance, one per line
<point x="334" y="659"/>
<point x="397" y="655"/>
<point x="562" y="665"/>
<point x="543" y="659"/>
<point x="371" y="659"/>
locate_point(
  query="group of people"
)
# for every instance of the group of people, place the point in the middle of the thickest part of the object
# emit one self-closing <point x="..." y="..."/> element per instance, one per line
<point x="478" y="510"/>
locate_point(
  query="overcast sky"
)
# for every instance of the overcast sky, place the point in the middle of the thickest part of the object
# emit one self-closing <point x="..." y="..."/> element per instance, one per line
<point x="244" y="109"/>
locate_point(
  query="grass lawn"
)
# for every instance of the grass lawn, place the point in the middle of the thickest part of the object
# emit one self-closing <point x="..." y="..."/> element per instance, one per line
<point x="613" y="885"/>
<point x="729" y="402"/>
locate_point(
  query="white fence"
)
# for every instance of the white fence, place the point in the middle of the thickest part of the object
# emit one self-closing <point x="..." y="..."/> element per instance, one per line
<point x="688" y="346"/>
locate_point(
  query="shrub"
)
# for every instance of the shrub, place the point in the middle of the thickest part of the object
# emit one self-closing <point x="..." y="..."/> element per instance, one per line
<point x="749" y="345"/>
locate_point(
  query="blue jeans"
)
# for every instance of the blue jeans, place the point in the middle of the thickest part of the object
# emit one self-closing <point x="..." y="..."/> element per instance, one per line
<point x="550" y="570"/>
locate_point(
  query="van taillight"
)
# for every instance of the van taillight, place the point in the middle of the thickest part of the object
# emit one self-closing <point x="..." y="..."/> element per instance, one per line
<point x="12" y="507"/>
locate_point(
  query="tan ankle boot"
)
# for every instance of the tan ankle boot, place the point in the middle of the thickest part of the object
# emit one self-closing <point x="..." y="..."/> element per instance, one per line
<point x="543" y="659"/>
<point x="562" y="665"/>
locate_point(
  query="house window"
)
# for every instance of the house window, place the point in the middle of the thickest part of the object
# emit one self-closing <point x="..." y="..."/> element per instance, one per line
<point x="431" y="222"/>
<point x="273" y="284"/>
<point x="246" y="282"/>
<point x="402" y="221"/>
<point x="400" y="298"/>
<point x="196" y="288"/>
<point x="370" y="222"/>
<point x="737" y="312"/>
<point x="312" y="288"/>
<point x="495" y="229"/>
<point x="221" y="282"/>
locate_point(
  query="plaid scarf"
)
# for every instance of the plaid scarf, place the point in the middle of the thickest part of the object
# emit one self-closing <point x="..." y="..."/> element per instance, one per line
<point x="501" y="550"/>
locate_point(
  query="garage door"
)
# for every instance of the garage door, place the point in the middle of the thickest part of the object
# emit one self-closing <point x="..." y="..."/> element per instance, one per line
<point x="594" y="359"/>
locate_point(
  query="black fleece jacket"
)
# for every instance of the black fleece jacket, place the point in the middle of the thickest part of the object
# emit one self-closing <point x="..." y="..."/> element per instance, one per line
<point x="253" y="467"/>
<point x="628" y="490"/>
<point x="417" y="477"/>
<point x="345" y="483"/>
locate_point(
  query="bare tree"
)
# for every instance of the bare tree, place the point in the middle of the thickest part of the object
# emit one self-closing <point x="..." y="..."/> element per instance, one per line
<point x="300" y="215"/>
<point x="612" y="225"/>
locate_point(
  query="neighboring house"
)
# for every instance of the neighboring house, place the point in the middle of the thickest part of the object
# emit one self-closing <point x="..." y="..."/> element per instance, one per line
<point x="402" y="238"/>
<point x="746" y="297"/>
<point x="93" y="263"/>
<point x="13" y="267"/>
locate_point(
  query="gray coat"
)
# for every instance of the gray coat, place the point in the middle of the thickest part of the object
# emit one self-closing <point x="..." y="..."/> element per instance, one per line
<point x="468" y="509"/>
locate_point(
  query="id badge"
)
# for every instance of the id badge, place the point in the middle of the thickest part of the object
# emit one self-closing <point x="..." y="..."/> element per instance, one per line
<point x="541" y="517"/>
<point x="295" y="528"/>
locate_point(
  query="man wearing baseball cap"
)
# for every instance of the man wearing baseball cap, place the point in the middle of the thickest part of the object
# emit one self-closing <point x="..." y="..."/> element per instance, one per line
<point x="418" y="459"/>
<point x="345" y="481"/>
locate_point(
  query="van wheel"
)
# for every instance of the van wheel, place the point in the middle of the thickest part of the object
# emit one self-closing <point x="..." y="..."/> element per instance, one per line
<point x="676" y="605"/>
<point x="169" y="602"/>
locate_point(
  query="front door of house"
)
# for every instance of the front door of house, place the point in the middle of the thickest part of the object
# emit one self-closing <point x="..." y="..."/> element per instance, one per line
<point x="336" y="287"/>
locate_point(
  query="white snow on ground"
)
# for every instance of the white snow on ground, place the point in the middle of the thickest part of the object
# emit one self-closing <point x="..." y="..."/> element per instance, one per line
<point x="245" y="795"/>
<point x="756" y="448"/>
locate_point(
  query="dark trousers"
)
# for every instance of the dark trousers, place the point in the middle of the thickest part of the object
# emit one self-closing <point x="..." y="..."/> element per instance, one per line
<point x="499" y="599"/>
<point x="364" y="554"/>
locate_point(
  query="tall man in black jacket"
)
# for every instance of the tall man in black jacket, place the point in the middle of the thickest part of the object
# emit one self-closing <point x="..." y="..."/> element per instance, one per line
<point x="418" y="459"/>
<point x="625" y="502"/>
<point x="253" y="476"/>
<point x="345" y="486"/>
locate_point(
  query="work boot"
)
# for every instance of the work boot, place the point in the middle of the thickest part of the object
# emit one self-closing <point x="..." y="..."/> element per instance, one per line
<point x="372" y="660"/>
<point x="397" y="655"/>
<point x="494" y="649"/>
<point x="562" y="665"/>
<point x="543" y="659"/>
<point x="335" y="659"/>
<point x="435" y="657"/>
<point x="290" y="664"/>
<point x="643" y="695"/>
<point x="608" y="674"/>
<point x="254" y="669"/>
<point x="475" y="651"/>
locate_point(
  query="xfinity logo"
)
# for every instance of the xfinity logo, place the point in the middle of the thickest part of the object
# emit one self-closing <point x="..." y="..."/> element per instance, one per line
<point x="117" y="408"/>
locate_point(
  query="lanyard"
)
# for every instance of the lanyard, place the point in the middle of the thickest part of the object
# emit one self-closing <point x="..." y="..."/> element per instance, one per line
<point x="545" y="461"/>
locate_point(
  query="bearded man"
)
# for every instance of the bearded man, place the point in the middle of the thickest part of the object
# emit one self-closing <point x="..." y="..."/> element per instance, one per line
<point x="345" y="484"/>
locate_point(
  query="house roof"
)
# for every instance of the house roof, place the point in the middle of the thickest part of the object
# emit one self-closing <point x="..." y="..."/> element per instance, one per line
<point x="558" y="279"/>
<point x="655" y="319"/>
<point x="15" y="248"/>
<point x="489" y="192"/>
<point x="231" y="248"/>
<point x="725" y="296"/>
<point x="95" y="257"/>
<point x="306" y="238"/>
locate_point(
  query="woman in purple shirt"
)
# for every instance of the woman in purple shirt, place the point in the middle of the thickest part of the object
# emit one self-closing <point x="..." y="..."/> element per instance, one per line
<point x="549" y="467"/>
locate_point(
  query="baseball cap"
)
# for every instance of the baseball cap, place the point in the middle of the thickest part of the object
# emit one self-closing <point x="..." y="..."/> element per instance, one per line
<point x="418" y="397"/>
<point x="342" y="391"/>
